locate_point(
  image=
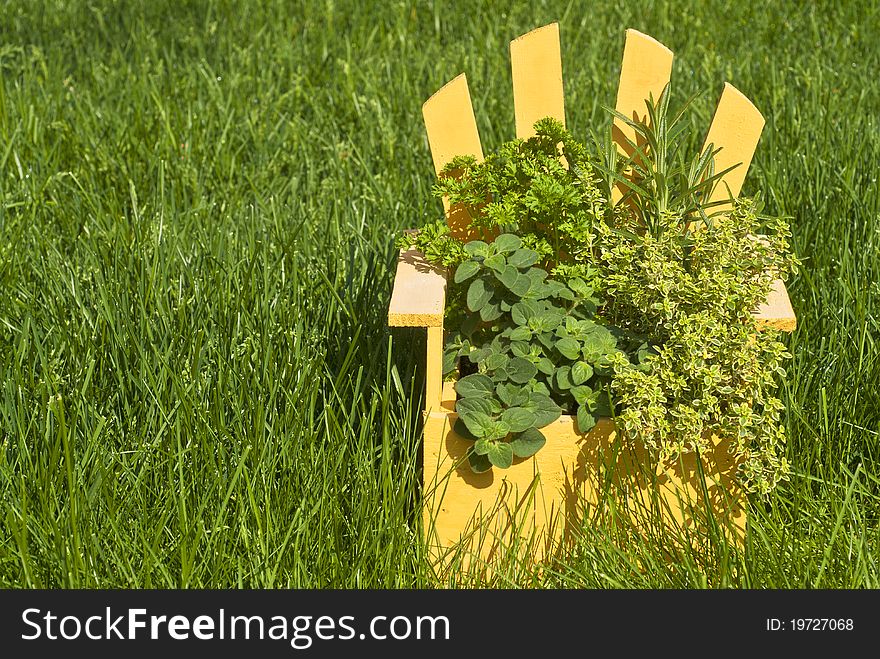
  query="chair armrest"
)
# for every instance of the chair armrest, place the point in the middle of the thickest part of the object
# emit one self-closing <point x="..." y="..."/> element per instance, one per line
<point x="776" y="312"/>
<point x="419" y="295"/>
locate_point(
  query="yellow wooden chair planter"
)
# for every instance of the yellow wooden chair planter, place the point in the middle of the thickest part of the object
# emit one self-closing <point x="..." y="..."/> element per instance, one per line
<point x="533" y="501"/>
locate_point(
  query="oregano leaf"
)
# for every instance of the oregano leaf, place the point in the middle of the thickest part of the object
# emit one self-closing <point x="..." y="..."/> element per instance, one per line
<point x="482" y="446"/>
<point x="507" y="276"/>
<point x="527" y="443"/>
<point x="581" y="372"/>
<point x="569" y="348"/>
<point x="507" y="242"/>
<point x="518" y="418"/>
<point x="521" y="285"/>
<point x="477" y="385"/>
<point x="479" y="293"/>
<point x="523" y="258"/>
<point x="465" y="271"/>
<point x="500" y="454"/>
<point x="521" y="370"/>
<point x="544" y="409"/>
<point x="460" y="429"/>
<point x="479" y="464"/>
<point x="478" y="423"/>
<point x="476" y="248"/>
<point x="585" y="420"/>
<point x="490" y="312"/>
<point x="496" y="262"/>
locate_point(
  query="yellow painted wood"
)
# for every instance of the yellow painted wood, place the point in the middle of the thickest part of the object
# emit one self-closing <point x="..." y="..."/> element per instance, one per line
<point x="452" y="131"/>
<point x="574" y="477"/>
<point x="450" y="123"/>
<point x="434" y="369"/>
<point x="736" y="129"/>
<point x="644" y="73"/>
<point x="536" y="65"/>
<point x="777" y="311"/>
<point x="419" y="295"/>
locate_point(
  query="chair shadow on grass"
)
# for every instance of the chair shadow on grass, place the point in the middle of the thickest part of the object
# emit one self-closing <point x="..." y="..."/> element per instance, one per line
<point x="359" y="363"/>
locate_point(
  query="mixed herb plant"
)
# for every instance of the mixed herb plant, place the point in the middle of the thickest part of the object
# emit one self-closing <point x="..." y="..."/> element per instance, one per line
<point x="594" y="284"/>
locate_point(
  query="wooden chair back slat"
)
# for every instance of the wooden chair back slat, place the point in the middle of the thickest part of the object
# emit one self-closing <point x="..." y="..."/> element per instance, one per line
<point x="736" y="128"/>
<point x="536" y="67"/>
<point x="644" y="73"/>
<point x="452" y="131"/>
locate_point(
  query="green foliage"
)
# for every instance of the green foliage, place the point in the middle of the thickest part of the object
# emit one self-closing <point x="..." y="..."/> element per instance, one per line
<point x="543" y="189"/>
<point x="689" y="280"/>
<point x="235" y="415"/>
<point x="537" y="347"/>
<point x="649" y="309"/>
<point x="436" y="242"/>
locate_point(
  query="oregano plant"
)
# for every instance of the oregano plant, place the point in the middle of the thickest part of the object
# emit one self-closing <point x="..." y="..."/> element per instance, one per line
<point x="536" y="347"/>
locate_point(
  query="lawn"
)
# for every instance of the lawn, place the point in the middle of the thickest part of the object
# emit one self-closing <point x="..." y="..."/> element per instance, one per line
<point x="198" y="204"/>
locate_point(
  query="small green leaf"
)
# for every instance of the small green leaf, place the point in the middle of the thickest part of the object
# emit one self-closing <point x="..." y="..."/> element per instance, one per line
<point x="523" y="258"/>
<point x="512" y="395"/>
<point x="581" y="372"/>
<point x="460" y="429"/>
<point x="601" y="404"/>
<point x="564" y="293"/>
<point x="469" y="324"/>
<point x="500" y="374"/>
<point x="507" y="242"/>
<point x="496" y="360"/>
<point x="527" y="443"/>
<point x="479" y="463"/>
<point x="562" y="378"/>
<point x="521" y="285"/>
<point x="482" y="446"/>
<point x="568" y="348"/>
<point x="480" y="425"/>
<point x="537" y="275"/>
<point x="538" y="387"/>
<point x="585" y="420"/>
<point x="519" y="348"/>
<point x="521" y="370"/>
<point x="487" y="406"/>
<point x="545" y="410"/>
<point x="465" y="271"/>
<point x="504" y="393"/>
<point x="546" y="366"/>
<point x="547" y="321"/>
<point x="547" y="340"/>
<point x="518" y="418"/>
<point x="477" y="248"/>
<point x="476" y="385"/>
<point x="522" y="312"/>
<point x="479" y="293"/>
<point x="501" y="455"/>
<point x="499" y="430"/>
<point x="490" y="312"/>
<point x="582" y="394"/>
<point x="450" y="357"/>
<point x="579" y="287"/>
<point x="478" y="355"/>
<point x="520" y="334"/>
<point x="496" y="262"/>
<point x="507" y="276"/>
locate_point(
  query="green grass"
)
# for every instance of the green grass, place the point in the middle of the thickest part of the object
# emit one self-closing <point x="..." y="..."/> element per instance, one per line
<point x="197" y="212"/>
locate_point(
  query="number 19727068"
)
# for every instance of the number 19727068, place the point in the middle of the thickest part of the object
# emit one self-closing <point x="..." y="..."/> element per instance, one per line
<point x="810" y="625"/>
